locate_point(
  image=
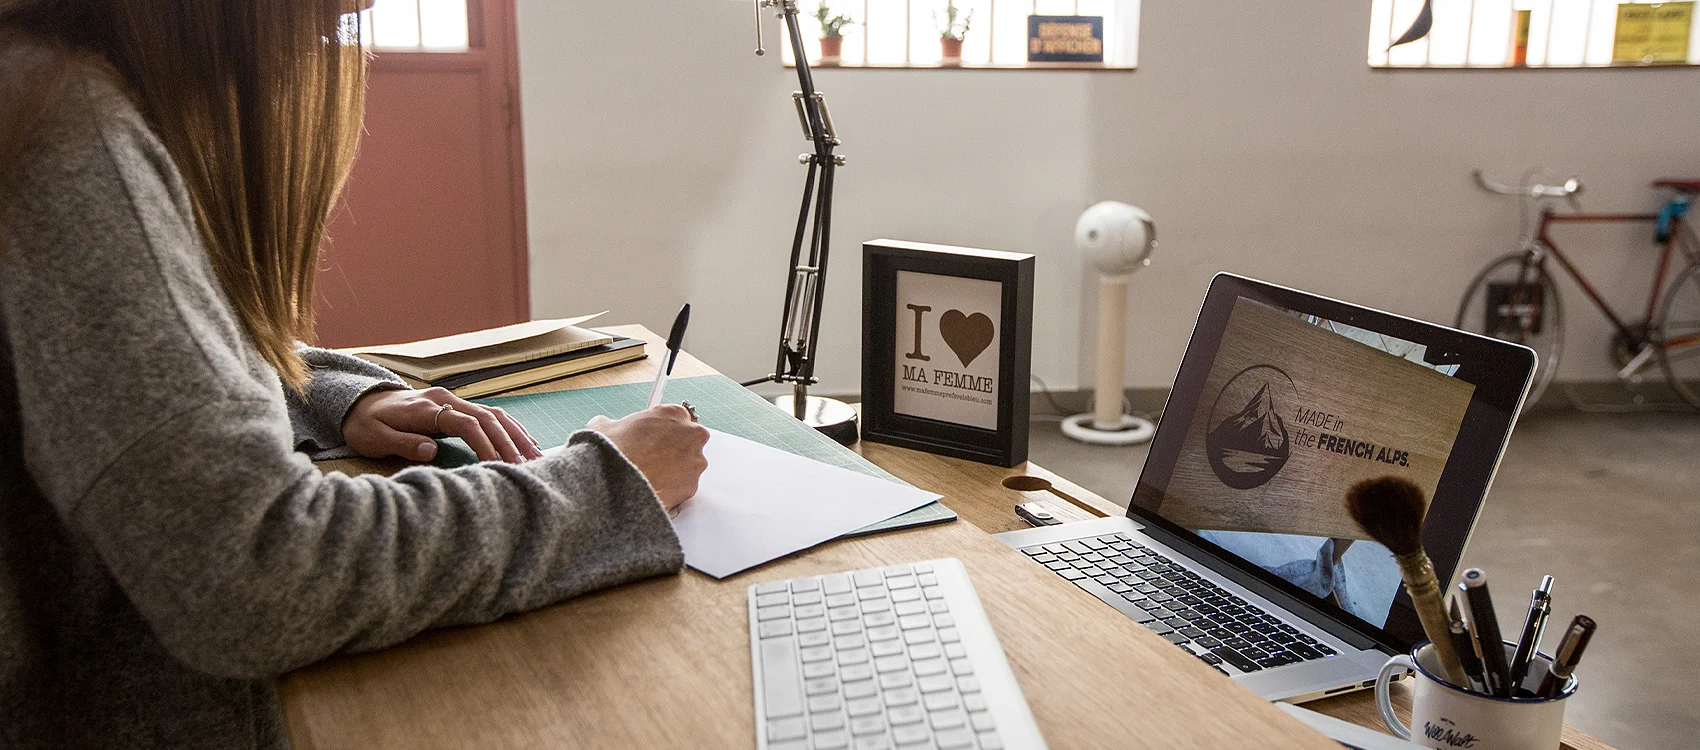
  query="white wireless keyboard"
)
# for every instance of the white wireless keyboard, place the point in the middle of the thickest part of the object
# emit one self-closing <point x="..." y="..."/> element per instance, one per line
<point x="896" y="657"/>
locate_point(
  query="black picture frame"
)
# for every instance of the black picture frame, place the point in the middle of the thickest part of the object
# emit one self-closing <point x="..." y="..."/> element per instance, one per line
<point x="882" y="261"/>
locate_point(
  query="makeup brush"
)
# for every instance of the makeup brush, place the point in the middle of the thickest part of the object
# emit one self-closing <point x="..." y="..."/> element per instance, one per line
<point x="1391" y="510"/>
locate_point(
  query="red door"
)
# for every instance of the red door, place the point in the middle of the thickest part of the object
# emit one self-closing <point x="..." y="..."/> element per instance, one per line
<point x="430" y="239"/>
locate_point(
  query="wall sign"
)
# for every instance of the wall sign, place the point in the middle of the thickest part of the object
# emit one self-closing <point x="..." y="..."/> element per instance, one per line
<point x="946" y="349"/>
<point x="1065" y="39"/>
<point x="1650" y="33"/>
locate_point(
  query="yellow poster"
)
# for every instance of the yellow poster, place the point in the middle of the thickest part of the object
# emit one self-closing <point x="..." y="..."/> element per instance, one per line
<point x="1652" y="32"/>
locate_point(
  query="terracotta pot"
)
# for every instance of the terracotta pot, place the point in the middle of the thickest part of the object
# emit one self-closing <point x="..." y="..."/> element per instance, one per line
<point x="831" y="48"/>
<point x="952" y="49"/>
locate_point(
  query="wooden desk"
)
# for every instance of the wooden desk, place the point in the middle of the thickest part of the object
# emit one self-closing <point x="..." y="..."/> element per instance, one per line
<point x="665" y="662"/>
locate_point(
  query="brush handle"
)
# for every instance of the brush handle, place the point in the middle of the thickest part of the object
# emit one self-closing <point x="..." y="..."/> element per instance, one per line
<point x="1425" y="596"/>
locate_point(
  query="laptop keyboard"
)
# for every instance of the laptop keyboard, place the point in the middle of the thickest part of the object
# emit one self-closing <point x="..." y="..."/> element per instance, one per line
<point x="895" y="657"/>
<point x="1208" y="621"/>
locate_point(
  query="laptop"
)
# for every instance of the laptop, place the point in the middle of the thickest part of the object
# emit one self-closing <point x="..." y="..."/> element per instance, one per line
<point x="1236" y="545"/>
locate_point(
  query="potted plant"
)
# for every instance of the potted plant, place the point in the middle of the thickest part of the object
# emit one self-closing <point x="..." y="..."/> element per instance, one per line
<point x="831" y="33"/>
<point x="953" y="26"/>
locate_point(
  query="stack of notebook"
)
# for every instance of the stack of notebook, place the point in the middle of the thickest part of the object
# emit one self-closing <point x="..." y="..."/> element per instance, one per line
<point x="501" y="359"/>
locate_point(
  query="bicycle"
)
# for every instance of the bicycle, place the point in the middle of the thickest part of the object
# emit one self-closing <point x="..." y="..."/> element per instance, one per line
<point x="1514" y="297"/>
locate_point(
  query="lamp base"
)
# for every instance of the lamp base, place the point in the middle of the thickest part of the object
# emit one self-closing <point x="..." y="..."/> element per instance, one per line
<point x="1131" y="431"/>
<point x="833" y="418"/>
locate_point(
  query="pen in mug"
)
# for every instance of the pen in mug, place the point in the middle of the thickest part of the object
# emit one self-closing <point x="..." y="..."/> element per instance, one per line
<point x="1465" y="644"/>
<point x="1486" y="627"/>
<point x="675" y="339"/>
<point x="1540" y="607"/>
<point x="1568" y="654"/>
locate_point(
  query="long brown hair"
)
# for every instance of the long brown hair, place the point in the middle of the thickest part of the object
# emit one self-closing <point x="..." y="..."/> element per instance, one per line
<point x="259" y="103"/>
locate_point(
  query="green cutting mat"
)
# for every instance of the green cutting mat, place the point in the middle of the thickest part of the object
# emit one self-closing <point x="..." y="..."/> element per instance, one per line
<point x="720" y="403"/>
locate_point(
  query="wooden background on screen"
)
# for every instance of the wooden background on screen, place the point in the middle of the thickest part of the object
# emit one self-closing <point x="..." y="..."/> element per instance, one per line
<point x="1377" y="397"/>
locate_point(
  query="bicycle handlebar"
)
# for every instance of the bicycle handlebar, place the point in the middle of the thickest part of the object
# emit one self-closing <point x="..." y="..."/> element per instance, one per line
<point x="1569" y="189"/>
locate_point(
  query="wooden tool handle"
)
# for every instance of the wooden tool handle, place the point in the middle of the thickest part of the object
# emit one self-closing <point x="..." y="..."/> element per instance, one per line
<point x="1425" y="596"/>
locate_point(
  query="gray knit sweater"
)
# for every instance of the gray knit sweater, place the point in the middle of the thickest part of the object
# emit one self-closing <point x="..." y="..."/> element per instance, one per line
<point x="165" y="550"/>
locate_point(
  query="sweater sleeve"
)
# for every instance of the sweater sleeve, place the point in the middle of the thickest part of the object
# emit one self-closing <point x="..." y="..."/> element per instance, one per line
<point x="338" y="380"/>
<point x="164" y="443"/>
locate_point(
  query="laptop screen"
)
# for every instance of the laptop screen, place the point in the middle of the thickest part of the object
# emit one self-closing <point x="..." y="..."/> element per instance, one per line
<point x="1287" y="400"/>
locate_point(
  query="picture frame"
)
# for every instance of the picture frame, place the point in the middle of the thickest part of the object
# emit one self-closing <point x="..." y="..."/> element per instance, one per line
<point x="947" y="349"/>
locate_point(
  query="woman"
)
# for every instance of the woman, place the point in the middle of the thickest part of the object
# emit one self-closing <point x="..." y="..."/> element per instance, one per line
<point x="166" y="169"/>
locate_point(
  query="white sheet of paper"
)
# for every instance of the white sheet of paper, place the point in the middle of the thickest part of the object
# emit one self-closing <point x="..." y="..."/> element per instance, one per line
<point x="756" y="504"/>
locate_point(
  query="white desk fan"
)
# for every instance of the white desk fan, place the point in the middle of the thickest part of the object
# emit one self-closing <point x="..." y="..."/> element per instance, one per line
<point x="1118" y="239"/>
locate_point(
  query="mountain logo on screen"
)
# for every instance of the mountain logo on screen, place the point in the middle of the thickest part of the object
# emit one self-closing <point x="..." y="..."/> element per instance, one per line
<point x="1246" y="439"/>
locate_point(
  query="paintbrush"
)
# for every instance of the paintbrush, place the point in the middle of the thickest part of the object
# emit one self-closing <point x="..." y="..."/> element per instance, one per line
<point x="1391" y="510"/>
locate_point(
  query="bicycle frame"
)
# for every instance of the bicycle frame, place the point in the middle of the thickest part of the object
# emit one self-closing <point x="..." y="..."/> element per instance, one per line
<point x="1679" y="232"/>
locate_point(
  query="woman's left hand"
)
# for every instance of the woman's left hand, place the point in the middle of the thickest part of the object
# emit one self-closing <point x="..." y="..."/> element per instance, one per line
<point x="406" y="423"/>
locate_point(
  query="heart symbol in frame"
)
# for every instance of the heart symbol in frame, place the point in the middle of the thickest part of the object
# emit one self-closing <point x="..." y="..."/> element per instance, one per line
<point x="967" y="335"/>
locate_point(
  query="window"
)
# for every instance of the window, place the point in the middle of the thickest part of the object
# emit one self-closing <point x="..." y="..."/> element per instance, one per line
<point x="1485" y="34"/>
<point x="416" y="26"/>
<point x="905" y="33"/>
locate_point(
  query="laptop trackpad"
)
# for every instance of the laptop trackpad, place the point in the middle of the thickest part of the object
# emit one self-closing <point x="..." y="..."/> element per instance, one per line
<point x="1305" y="677"/>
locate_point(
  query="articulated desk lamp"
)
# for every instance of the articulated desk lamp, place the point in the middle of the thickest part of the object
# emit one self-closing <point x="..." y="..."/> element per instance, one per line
<point x="806" y="287"/>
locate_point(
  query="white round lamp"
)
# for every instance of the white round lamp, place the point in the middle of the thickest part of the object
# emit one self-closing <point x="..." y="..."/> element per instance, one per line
<point x="1118" y="239"/>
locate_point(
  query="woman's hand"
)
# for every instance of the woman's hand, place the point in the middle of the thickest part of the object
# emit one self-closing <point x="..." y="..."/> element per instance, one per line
<point x="665" y="445"/>
<point x="405" y="423"/>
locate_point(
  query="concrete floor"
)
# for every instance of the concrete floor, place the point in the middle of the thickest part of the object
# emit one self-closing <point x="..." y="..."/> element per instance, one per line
<point x="1607" y="504"/>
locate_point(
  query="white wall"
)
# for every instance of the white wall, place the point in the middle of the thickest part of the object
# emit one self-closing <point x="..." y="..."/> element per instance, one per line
<point x="661" y="168"/>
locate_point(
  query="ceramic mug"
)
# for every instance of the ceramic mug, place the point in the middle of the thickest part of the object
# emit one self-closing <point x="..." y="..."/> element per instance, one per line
<point x="1447" y="717"/>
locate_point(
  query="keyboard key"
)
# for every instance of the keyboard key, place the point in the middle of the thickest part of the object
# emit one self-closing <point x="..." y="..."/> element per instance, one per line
<point x="886" y="648"/>
<point x="807" y="597"/>
<point x="928" y="579"/>
<point x="905" y="582"/>
<point x="856" y="672"/>
<point x="900" y="715"/>
<point x="768" y="600"/>
<point x="949" y="635"/>
<point x="835" y="583"/>
<point x="885" y="633"/>
<point x="867" y="725"/>
<point x="926" y="667"/>
<point x="961" y="667"/>
<point x="1234" y="658"/>
<point x="990" y="741"/>
<point x="914" y="621"/>
<point x="981" y="721"/>
<point x="940" y="711"/>
<point x="967" y="684"/>
<point x="821" y="686"/>
<point x="954" y="739"/>
<point x="826" y="722"/>
<point x="879" y="619"/>
<point x="837" y="614"/>
<point x="1304" y="652"/>
<point x="825" y="704"/>
<point x="1072" y="575"/>
<point x="811" y="625"/>
<point x="935" y="683"/>
<point x="840" y="600"/>
<point x="818" y="669"/>
<point x="855" y="656"/>
<point x="846" y="627"/>
<point x="906" y="595"/>
<point x="771" y="586"/>
<point x="910" y="735"/>
<point x="775" y="628"/>
<point x="1176" y="638"/>
<point x="772" y="613"/>
<point x="868" y="578"/>
<point x="779" y="730"/>
<point x="832" y="741"/>
<point x="895" y="680"/>
<point x="819" y="653"/>
<point x="974" y="702"/>
<point x="890" y="664"/>
<point x="873" y="742"/>
<point x="913" y="637"/>
<point x="862" y="707"/>
<point x="863" y="689"/>
<point x="782" y="690"/>
<point x="848" y="642"/>
<point x="904" y="696"/>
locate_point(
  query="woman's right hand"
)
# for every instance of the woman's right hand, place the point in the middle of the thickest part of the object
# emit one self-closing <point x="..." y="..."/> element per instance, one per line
<point x="665" y="445"/>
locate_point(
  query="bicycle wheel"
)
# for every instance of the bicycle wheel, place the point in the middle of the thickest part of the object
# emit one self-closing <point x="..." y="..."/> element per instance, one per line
<point x="1677" y="334"/>
<point x="1513" y="299"/>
